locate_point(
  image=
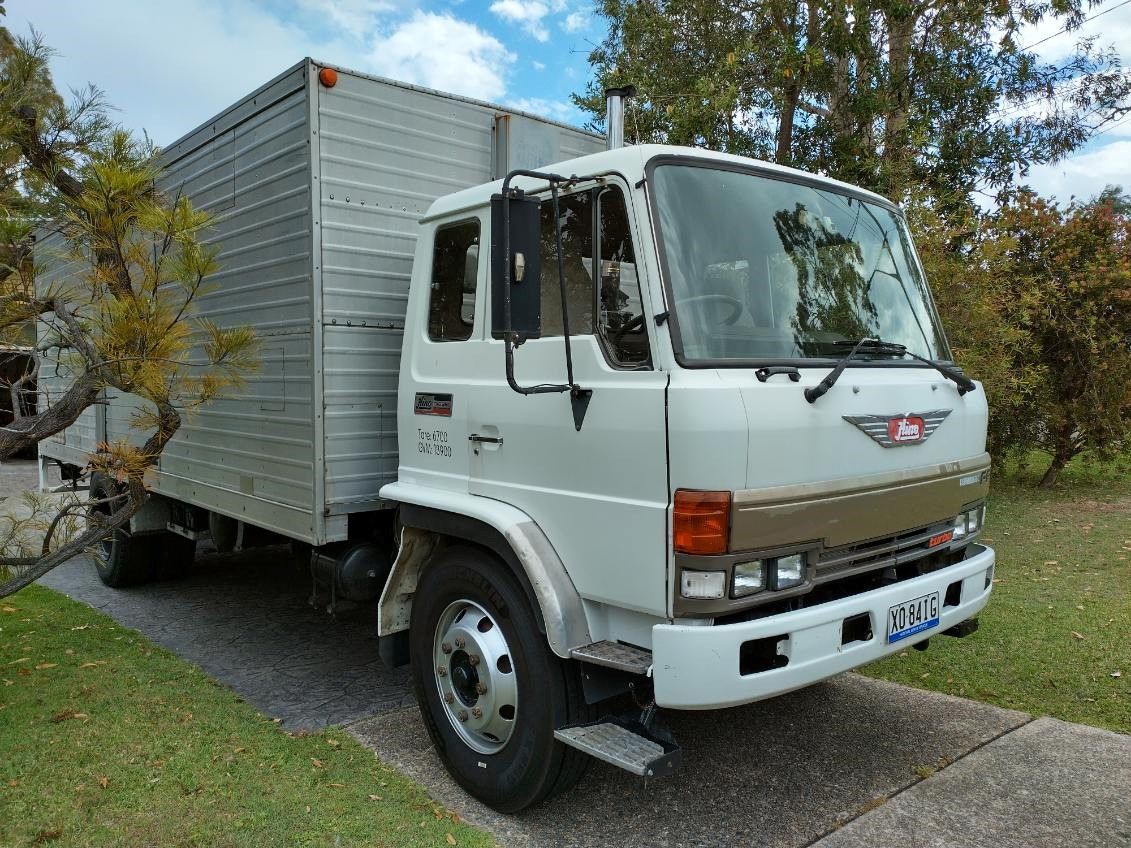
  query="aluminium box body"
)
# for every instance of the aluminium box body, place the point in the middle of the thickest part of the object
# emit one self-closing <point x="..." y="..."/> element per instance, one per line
<point x="316" y="194"/>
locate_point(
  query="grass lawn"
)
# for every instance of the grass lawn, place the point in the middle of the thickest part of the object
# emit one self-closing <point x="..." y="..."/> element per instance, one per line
<point x="106" y="740"/>
<point x="1055" y="638"/>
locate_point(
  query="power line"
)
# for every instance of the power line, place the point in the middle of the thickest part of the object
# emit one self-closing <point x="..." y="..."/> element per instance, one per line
<point x="1064" y="29"/>
<point x="1111" y="127"/>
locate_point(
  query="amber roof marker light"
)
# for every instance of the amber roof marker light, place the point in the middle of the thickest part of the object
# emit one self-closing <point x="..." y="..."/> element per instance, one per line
<point x="328" y="77"/>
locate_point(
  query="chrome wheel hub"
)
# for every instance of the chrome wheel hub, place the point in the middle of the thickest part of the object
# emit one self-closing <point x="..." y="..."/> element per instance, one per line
<point x="471" y="664"/>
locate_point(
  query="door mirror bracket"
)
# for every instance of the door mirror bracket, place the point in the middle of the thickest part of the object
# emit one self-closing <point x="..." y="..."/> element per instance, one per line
<point x="516" y="288"/>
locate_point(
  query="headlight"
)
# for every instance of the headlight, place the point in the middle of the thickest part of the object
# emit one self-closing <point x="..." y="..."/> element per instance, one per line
<point x="703" y="585"/>
<point x="969" y="522"/>
<point x="788" y="571"/>
<point x="749" y="577"/>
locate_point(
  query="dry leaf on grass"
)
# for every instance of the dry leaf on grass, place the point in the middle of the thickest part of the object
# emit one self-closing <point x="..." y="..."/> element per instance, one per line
<point x="451" y="839"/>
<point x="66" y="714"/>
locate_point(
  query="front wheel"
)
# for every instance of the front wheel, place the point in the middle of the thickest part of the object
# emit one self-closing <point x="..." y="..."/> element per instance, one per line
<point x="490" y="690"/>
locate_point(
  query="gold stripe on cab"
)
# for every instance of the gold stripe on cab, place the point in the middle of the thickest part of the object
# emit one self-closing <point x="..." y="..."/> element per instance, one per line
<point x="856" y="509"/>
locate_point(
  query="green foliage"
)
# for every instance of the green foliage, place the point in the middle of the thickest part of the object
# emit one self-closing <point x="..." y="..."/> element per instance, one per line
<point x="1053" y="639"/>
<point x="1037" y="299"/>
<point x="886" y="94"/>
<point x="109" y="740"/>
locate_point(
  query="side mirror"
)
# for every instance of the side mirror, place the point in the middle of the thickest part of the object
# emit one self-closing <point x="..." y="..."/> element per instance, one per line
<point x="525" y="279"/>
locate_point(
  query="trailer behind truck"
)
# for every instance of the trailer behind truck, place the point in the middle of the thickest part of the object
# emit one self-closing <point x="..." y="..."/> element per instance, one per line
<point x="600" y="431"/>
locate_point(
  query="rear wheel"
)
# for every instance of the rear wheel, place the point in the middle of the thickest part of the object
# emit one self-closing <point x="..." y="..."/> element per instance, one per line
<point x="490" y="690"/>
<point x="129" y="559"/>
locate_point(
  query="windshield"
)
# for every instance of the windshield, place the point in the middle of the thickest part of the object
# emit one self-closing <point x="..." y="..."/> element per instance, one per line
<point x="764" y="268"/>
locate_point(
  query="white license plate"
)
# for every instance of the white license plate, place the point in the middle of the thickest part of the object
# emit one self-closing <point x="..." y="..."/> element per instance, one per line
<point x="913" y="617"/>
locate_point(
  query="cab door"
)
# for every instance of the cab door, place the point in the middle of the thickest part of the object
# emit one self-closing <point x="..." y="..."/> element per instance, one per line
<point x="443" y="338"/>
<point x="598" y="492"/>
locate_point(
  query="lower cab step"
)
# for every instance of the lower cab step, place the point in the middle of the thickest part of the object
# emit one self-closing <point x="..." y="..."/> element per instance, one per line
<point x="625" y="743"/>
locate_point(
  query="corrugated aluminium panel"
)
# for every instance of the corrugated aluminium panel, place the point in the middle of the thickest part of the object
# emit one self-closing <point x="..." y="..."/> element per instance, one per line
<point x="316" y="194"/>
<point x="249" y="453"/>
<point x="386" y="151"/>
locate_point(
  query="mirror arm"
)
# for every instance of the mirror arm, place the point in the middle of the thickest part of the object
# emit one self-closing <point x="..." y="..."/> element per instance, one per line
<point x="562" y="286"/>
<point x="578" y="396"/>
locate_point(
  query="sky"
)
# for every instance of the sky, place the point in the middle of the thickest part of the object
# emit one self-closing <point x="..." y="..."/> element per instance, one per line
<point x="169" y="65"/>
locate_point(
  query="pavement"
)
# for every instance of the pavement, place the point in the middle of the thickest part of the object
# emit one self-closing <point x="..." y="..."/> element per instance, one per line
<point x="849" y="762"/>
<point x="246" y="620"/>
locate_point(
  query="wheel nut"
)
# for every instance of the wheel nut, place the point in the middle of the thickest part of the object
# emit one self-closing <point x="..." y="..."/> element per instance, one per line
<point x="476" y="712"/>
<point x="446" y="648"/>
<point x="473" y="659"/>
<point x="481" y="688"/>
<point x="449" y="698"/>
<point x="459" y="642"/>
<point x="443" y="672"/>
<point x="462" y="715"/>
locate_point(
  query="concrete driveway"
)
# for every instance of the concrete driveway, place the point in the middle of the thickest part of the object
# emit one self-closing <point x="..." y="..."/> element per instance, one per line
<point x="836" y="765"/>
<point x="839" y="764"/>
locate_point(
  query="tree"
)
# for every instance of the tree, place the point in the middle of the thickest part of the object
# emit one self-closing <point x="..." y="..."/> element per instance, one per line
<point x="888" y="94"/>
<point x="1039" y="302"/>
<point x="122" y="321"/>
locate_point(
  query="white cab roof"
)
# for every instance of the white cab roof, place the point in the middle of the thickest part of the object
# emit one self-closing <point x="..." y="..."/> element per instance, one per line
<point x="629" y="162"/>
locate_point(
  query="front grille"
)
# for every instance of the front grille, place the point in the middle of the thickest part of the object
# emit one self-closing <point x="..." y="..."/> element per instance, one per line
<point x="885" y="552"/>
<point x="861" y="567"/>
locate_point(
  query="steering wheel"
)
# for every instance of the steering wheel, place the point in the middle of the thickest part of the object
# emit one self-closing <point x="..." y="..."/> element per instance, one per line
<point x="633" y="323"/>
<point x="736" y="305"/>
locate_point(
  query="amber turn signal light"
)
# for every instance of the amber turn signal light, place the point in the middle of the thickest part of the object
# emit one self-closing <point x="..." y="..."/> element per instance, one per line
<point x="328" y="77"/>
<point x="701" y="522"/>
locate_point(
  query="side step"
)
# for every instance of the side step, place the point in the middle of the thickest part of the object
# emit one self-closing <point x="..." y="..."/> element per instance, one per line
<point x="624" y="743"/>
<point x="616" y="655"/>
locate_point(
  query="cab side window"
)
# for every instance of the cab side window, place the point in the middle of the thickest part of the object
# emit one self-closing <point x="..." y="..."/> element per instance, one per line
<point x="455" y="272"/>
<point x="620" y="309"/>
<point x="575" y="216"/>
<point x="602" y="289"/>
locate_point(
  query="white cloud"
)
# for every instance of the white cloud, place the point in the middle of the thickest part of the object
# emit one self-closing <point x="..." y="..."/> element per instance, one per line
<point x="575" y="22"/>
<point x="172" y="65"/>
<point x="557" y="110"/>
<point x="440" y="51"/>
<point x="1086" y="174"/>
<point x="527" y="13"/>
<point x="169" y="66"/>
<point x="538" y="66"/>
<point x="352" y="17"/>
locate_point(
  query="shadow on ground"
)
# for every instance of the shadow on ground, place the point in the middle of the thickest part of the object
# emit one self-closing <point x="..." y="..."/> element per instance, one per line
<point x="244" y="618"/>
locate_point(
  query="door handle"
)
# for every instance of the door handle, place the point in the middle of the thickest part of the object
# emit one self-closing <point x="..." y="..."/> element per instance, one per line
<point x="490" y="440"/>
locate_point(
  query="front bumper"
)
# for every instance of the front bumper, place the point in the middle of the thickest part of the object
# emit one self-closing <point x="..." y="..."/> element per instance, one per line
<point x="697" y="667"/>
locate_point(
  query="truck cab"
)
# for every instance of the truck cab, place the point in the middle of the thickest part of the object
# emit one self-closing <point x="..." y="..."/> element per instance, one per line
<point x="671" y="423"/>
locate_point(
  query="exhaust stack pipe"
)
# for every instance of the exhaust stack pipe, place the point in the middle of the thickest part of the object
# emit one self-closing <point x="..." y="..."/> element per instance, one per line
<point x="614" y="115"/>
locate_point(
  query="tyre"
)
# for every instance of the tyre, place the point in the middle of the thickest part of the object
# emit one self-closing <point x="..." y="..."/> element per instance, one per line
<point x="490" y="690"/>
<point x="129" y="559"/>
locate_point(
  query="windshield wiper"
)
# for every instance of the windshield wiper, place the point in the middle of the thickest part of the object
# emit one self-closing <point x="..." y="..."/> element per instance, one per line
<point x="874" y="346"/>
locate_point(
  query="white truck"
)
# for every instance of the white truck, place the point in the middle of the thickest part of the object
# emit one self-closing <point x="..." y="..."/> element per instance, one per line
<point x="673" y="429"/>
